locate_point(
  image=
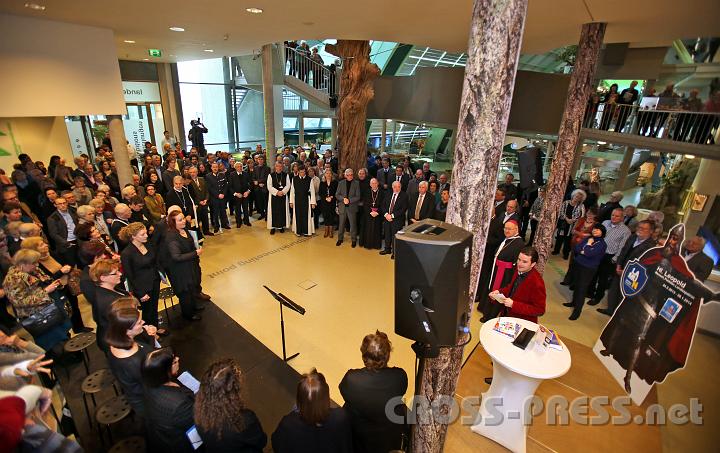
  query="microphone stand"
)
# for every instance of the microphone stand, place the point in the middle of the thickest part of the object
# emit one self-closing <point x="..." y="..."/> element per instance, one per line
<point x="285" y="301"/>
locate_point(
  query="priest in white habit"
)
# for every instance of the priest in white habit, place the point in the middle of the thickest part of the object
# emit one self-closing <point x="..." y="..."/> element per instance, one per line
<point x="278" y="211"/>
<point x="302" y="202"/>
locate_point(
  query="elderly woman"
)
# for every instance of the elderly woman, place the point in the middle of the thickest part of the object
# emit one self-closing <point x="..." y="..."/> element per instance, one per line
<point x="107" y="276"/>
<point x="86" y="214"/>
<point x="69" y="281"/>
<point x="326" y="196"/>
<point x="30" y="290"/>
<point x="570" y="212"/>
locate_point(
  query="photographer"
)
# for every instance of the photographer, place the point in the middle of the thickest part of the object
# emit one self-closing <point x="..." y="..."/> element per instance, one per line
<point x="196" y="137"/>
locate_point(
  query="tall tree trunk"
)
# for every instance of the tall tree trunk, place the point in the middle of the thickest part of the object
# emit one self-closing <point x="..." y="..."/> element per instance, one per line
<point x="493" y="51"/>
<point x="356" y="91"/>
<point x="579" y="91"/>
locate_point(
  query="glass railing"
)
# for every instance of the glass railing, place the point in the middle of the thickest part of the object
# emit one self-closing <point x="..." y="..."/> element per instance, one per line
<point x="672" y="124"/>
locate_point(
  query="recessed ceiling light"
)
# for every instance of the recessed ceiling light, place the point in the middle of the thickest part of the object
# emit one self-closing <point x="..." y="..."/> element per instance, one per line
<point x="146" y="59"/>
<point x="254" y="10"/>
<point x="177" y="29"/>
<point x="209" y="50"/>
<point x="602" y="143"/>
<point x="35" y="6"/>
<point x="129" y="41"/>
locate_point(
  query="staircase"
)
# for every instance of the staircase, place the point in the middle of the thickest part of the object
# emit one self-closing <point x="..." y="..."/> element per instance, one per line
<point x="308" y="78"/>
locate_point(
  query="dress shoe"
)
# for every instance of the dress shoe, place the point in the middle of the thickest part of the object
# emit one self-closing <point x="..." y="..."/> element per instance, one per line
<point x="568" y="304"/>
<point x="227" y="227"/>
<point x="282" y="230"/>
<point x="488" y="380"/>
<point x="593" y="302"/>
<point x="574" y="316"/>
<point x="238" y="225"/>
<point x="217" y="230"/>
<point x="272" y="231"/>
<point x="483" y="319"/>
<point x="392" y="256"/>
<point x="604" y="353"/>
<point x="204" y="296"/>
<point x="338" y="243"/>
<point x="354" y="244"/>
<point x="209" y="233"/>
<point x="247" y="223"/>
<point x="604" y="311"/>
<point x="385" y="252"/>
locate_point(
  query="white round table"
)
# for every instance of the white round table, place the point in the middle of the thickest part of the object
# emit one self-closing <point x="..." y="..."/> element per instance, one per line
<point x="517" y="373"/>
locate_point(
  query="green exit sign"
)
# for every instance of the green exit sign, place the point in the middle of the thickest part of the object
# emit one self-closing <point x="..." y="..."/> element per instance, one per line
<point x="154" y="52"/>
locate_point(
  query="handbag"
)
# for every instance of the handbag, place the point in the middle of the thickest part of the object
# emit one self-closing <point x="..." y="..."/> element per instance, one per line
<point x="43" y="320"/>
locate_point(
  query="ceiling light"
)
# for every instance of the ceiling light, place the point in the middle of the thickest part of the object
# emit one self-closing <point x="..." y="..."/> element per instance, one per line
<point x="177" y="29"/>
<point x="129" y="41"/>
<point x="146" y="59"/>
<point x="254" y="10"/>
<point x="209" y="50"/>
<point x="35" y="6"/>
<point x="602" y="143"/>
<point x="689" y="156"/>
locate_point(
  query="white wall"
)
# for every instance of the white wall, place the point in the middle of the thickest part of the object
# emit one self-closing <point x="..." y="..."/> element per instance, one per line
<point x="40" y="138"/>
<point x="57" y="69"/>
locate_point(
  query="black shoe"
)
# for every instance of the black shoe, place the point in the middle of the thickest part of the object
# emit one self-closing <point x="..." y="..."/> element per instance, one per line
<point x="272" y="231"/>
<point x="247" y="223"/>
<point x="262" y="217"/>
<point x="217" y="230"/>
<point x="568" y="304"/>
<point x="392" y="257"/>
<point x="604" y="311"/>
<point x="338" y="243"/>
<point x="209" y="233"/>
<point x="82" y="330"/>
<point x="354" y="244"/>
<point x="227" y="227"/>
<point x="565" y="257"/>
<point x="238" y="225"/>
<point x="593" y="302"/>
<point x="488" y="380"/>
<point x="385" y="252"/>
<point x="604" y="353"/>
<point x="574" y="316"/>
<point x="282" y="230"/>
<point x="484" y="319"/>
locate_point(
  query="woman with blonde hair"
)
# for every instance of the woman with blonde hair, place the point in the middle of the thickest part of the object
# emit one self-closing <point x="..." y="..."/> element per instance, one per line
<point x="184" y="265"/>
<point x="221" y="415"/>
<point x="139" y="262"/>
<point x="68" y="277"/>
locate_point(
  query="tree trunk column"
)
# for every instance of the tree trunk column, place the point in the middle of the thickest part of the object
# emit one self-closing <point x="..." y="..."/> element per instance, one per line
<point x="579" y="91"/>
<point x="493" y="51"/>
<point x="356" y="91"/>
<point x="119" y="147"/>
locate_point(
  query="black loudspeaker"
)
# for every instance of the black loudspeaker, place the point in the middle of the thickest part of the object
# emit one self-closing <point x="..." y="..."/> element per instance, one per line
<point x="530" y="163"/>
<point x="432" y="268"/>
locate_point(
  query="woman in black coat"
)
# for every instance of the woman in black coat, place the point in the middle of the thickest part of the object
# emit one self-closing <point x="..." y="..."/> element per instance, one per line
<point x="139" y="262"/>
<point x="183" y="265"/>
<point x="224" y="422"/>
<point x="313" y="427"/>
<point x="168" y="405"/>
<point x="328" y="186"/>
<point x="107" y="276"/>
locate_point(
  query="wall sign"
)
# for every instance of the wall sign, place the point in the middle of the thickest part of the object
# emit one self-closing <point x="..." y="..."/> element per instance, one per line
<point x="141" y="92"/>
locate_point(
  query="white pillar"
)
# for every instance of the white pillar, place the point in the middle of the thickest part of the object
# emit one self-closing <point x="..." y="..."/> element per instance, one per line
<point x="268" y="101"/>
<point x="301" y="129"/>
<point x="119" y="146"/>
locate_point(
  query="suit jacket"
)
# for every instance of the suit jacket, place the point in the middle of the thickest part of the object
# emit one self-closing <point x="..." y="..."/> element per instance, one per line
<point x="100" y="310"/>
<point x="216" y="185"/>
<point x="169" y="414"/>
<point x="412" y="188"/>
<point x="404" y="181"/>
<point x="200" y="190"/>
<point x="57" y="228"/>
<point x="353" y="195"/>
<point x="399" y="209"/>
<point x="628" y="253"/>
<point x="529" y="297"/>
<point x="260" y="174"/>
<point x="701" y="265"/>
<point x="427" y="210"/>
<point x="238" y="183"/>
<point x="141" y="270"/>
<point x="496" y="232"/>
<point x="500" y="209"/>
<point x="385" y="178"/>
<point x="167" y="179"/>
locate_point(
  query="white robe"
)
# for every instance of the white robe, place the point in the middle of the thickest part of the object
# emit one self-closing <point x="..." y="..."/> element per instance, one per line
<point x="311" y="201"/>
<point x="273" y="193"/>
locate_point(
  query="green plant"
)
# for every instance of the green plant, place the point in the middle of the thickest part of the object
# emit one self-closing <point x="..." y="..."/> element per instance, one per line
<point x="568" y="54"/>
<point x="99" y="131"/>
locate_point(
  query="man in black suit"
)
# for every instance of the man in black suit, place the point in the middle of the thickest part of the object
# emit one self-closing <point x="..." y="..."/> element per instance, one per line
<point x="61" y="229"/>
<point x="168" y="174"/>
<point x="698" y="262"/>
<point x="259" y="180"/>
<point x="200" y="193"/>
<point x="634" y="247"/>
<point x="394" y="209"/>
<point x="511" y="190"/>
<point x="401" y="177"/>
<point x="500" y="202"/>
<point x="239" y="191"/>
<point x="384" y="176"/>
<point x="421" y="205"/>
<point x="217" y="186"/>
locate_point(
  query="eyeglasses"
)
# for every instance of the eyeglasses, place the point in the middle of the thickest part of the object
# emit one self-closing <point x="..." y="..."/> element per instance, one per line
<point x="115" y="273"/>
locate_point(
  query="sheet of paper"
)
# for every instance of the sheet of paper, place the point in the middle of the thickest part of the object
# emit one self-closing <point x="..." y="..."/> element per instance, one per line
<point x="189" y="381"/>
<point x="194" y="437"/>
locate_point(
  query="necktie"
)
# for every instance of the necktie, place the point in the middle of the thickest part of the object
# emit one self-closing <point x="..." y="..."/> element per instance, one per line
<point x="392" y="203"/>
<point x="397" y="178"/>
<point x="418" y="206"/>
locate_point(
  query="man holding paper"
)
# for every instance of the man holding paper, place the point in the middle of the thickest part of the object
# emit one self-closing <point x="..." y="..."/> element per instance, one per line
<point x="524" y="296"/>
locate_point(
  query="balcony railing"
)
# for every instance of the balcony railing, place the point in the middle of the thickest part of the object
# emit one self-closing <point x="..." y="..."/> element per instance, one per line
<point x="299" y="64"/>
<point x="678" y="125"/>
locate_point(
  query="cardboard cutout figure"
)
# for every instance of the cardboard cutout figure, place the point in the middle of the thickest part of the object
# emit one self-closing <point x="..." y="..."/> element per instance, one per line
<point x="650" y="334"/>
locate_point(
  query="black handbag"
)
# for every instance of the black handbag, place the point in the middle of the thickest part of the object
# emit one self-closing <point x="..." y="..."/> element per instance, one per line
<point x="43" y="320"/>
